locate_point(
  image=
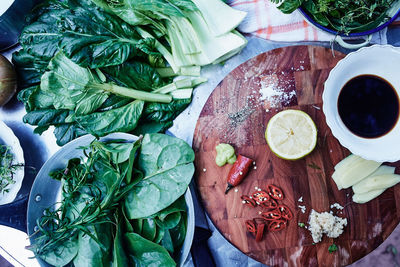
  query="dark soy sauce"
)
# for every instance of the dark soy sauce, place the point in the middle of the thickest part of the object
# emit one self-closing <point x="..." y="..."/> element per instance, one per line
<point x="369" y="106"/>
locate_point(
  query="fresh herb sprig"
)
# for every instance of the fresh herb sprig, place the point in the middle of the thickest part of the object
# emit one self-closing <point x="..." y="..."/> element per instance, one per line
<point x="332" y="248"/>
<point x="7" y="169"/>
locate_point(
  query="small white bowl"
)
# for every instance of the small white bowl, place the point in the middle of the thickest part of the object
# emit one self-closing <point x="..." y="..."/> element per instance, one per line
<point x="380" y="60"/>
<point x="8" y="138"/>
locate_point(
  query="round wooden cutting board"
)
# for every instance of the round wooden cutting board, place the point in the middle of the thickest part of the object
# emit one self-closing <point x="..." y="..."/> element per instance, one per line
<point x="237" y="113"/>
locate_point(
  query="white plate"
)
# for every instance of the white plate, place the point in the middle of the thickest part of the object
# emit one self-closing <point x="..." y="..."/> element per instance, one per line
<point x="8" y="138"/>
<point x="380" y="60"/>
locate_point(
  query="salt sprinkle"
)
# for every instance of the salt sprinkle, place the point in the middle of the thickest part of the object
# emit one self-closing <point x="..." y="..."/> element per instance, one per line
<point x="255" y="167"/>
<point x="336" y="206"/>
<point x="316" y="107"/>
<point x="256" y="187"/>
<point x="241" y="173"/>
<point x="236" y="190"/>
<point x="259" y="189"/>
<point x="302" y="208"/>
<point x="300" y="199"/>
<point x="204" y="170"/>
<point x="270" y="91"/>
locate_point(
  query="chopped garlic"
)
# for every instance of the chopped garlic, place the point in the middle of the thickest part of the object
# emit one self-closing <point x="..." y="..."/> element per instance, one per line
<point x="325" y="223"/>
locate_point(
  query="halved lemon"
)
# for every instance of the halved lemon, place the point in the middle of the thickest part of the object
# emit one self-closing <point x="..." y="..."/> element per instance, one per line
<point x="291" y="134"/>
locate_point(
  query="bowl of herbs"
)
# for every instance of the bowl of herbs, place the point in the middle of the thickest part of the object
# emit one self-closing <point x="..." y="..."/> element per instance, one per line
<point x="347" y="18"/>
<point x="11" y="165"/>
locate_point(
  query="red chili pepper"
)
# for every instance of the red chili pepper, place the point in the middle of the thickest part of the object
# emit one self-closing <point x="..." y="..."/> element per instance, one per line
<point x="277" y="225"/>
<point x="259" y="220"/>
<point x="275" y="192"/>
<point x="285" y="212"/>
<point x="269" y="204"/>
<point x="248" y="201"/>
<point x="238" y="171"/>
<point x="251" y="226"/>
<point x="260" y="231"/>
<point x="261" y="196"/>
<point x="271" y="215"/>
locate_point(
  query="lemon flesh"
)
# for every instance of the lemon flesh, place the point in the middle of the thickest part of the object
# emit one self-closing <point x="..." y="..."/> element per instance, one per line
<point x="291" y="134"/>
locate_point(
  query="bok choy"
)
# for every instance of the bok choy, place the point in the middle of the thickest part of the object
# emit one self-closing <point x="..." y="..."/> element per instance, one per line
<point x="99" y="66"/>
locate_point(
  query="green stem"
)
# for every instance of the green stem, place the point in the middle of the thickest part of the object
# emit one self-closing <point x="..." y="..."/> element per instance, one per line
<point x="133" y="93"/>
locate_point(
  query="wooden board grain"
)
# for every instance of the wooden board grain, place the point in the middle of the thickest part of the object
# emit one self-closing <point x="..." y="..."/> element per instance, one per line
<point x="237" y="113"/>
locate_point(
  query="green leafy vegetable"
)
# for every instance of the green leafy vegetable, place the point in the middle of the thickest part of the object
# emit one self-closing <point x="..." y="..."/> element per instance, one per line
<point x="166" y="163"/>
<point x="7" y="169"/>
<point x="343" y="16"/>
<point x="147" y="253"/>
<point x="332" y="248"/>
<point x="195" y="33"/>
<point x="92" y="66"/>
<point x="90" y="227"/>
<point x="93" y="38"/>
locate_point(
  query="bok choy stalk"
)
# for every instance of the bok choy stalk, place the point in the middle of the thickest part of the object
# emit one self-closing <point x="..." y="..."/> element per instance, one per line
<point x="75" y="88"/>
<point x="198" y="33"/>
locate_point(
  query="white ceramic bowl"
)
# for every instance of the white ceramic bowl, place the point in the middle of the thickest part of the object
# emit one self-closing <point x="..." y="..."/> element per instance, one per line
<point x="8" y="138"/>
<point x="380" y="60"/>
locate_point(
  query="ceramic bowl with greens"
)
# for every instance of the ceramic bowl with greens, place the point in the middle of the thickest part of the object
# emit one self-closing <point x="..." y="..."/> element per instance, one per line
<point x="11" y="165"/>
<point x="345" y="17"/>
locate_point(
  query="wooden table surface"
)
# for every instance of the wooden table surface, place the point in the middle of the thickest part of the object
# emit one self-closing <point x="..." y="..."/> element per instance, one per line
<point x="237" y="113"/>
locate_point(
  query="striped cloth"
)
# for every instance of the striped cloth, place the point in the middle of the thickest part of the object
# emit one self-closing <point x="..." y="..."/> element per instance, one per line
<point x="266" y="21"/>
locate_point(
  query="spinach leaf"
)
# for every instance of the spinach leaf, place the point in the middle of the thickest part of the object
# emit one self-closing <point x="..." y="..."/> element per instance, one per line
<point x="167" y="164"/>
<point x="137" y="226"/>
<point x="147" y="253"/>
<point x="151" y="127"/>
<point x="149" y="229"/>
<point x="120" y="258"/>
<point x="167" y="242"/>
<point x="94" y="246"/>
<point x="63" y="253"/>
<point x="178" y="233"/>
<point x="177" y="206"/>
